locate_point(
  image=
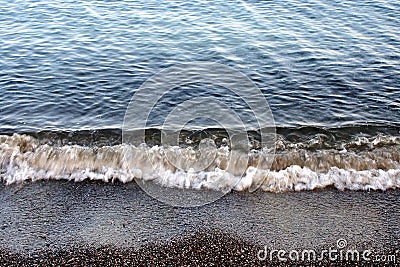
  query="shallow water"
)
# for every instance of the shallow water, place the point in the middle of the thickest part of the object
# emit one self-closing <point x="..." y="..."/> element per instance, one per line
<point x="75" y="65"/>
<point x="329" y="71"/>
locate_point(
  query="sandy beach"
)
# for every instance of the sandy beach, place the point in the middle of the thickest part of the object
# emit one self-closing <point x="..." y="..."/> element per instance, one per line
<point x="92" y="223"/>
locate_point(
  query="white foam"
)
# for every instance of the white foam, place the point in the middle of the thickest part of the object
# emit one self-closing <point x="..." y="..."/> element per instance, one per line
<point x="23" y="158"/>
<point x="293" y="178"/>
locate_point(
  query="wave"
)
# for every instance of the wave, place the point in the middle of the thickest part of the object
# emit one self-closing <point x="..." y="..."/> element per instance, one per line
<point x="361" y="163"/>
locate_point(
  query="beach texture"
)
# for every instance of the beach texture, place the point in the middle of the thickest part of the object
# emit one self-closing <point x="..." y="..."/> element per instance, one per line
<point x="60" y="223"/>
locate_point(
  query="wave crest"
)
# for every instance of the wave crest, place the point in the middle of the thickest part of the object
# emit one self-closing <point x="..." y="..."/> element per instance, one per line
<point x="23" y="157"/>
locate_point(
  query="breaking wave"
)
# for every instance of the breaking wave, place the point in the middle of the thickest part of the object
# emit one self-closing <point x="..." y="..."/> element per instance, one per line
<point x="359" y="163"/>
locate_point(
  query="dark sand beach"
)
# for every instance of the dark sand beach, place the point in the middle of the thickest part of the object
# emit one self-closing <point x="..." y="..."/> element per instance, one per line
<point x="63" y="223"/>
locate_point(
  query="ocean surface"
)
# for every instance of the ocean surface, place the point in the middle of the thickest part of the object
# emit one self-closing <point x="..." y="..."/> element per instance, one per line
<point x="329" y="70"/>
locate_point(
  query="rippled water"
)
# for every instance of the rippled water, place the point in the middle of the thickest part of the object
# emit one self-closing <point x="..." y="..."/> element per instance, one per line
<point x="329" y="70"/>
<point x="76" y="64"/>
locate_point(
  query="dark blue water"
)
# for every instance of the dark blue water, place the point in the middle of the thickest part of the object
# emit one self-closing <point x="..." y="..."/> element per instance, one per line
<point x="76" y="64"/>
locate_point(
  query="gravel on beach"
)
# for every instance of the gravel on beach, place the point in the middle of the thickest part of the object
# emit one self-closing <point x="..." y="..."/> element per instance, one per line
<point x="199" y="249"/>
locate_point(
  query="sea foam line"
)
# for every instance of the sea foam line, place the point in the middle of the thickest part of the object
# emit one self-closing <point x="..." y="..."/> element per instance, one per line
<point x="23" y="158"/>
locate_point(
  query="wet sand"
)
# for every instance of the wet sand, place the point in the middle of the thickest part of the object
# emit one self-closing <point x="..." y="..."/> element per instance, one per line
<point x="91" y="223"/>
